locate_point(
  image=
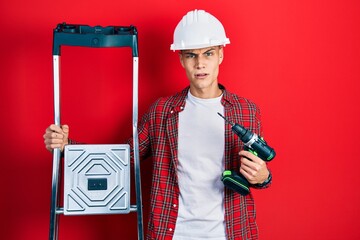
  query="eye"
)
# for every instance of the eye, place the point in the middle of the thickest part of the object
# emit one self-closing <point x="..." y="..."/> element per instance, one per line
<point x="208" y="54"/>
<point x="190" y="55"/>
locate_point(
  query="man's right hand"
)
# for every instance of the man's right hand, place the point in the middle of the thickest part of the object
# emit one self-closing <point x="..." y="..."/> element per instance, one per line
<point x="56" y="137"/>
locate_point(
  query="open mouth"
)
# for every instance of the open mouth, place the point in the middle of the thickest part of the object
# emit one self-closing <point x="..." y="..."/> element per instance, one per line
<point x="201" y="75"/>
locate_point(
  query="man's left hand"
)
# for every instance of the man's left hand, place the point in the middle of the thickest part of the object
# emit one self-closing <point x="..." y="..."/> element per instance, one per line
<point x="253" y="168"/>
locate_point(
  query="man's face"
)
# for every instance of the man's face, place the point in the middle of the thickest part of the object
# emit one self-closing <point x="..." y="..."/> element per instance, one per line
<point x="202" y="67"/>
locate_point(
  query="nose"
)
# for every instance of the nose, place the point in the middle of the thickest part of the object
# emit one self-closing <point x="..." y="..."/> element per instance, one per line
<point x="199" y="63"/>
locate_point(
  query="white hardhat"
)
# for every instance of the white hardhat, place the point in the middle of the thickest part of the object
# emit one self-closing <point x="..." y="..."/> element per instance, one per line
<point x="198" y="29"/>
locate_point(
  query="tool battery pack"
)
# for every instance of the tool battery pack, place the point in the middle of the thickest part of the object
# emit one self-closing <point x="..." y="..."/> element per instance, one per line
<point x="235" y="182"/>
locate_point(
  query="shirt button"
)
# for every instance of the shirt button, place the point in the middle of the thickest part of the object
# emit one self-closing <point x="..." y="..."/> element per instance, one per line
<point x="170" y="229"/>
<point x="174" y="205"/>
<point x="172" y="111"/>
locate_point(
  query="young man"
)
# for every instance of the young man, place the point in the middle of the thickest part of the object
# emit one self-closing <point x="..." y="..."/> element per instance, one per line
<point x="191" y="145"/>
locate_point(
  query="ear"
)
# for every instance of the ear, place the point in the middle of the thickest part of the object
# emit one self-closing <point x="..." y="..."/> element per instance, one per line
<point x="221" y="55"/>
<point x="181" y="59"/>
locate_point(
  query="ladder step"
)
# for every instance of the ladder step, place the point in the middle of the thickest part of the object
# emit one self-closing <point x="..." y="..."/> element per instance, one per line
<point x="60" y="211"/>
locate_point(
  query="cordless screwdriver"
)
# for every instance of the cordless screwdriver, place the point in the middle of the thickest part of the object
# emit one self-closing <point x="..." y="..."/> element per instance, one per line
<point x="255" y="145"/>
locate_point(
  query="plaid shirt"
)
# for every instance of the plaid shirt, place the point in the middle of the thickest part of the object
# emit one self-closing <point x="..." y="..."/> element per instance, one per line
<point x="158" y="138"/>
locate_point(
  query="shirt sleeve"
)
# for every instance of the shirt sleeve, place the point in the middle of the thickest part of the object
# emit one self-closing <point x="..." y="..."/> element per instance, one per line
<point x="144" y="139"/>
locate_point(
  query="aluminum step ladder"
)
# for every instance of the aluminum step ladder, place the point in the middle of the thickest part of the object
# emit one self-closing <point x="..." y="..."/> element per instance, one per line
<point x="96" y="37"/>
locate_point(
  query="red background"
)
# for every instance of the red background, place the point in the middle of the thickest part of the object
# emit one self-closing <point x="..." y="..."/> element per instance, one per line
<point x="298" y="60"/>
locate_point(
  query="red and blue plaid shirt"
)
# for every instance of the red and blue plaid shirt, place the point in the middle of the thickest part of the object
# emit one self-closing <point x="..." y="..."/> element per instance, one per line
<point x="158" y="138"/>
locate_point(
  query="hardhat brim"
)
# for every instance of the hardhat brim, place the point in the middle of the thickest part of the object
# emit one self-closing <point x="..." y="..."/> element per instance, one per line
<point x="175" y="47"/>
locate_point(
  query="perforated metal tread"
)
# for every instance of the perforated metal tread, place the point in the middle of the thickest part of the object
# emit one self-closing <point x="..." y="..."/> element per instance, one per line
<point x="97" y="179"/>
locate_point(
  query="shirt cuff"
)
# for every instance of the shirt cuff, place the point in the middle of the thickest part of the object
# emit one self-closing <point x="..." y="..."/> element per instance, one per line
<point x="266" y="182"/>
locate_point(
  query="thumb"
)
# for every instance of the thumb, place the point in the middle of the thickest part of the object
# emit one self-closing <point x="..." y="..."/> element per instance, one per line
<point x="65" y="129"/>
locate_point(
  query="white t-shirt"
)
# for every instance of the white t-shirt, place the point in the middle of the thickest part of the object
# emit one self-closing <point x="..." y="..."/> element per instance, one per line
<point x="201" y="163"/>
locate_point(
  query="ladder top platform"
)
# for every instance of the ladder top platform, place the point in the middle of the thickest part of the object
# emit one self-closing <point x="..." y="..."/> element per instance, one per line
<point x="95" y="37"/>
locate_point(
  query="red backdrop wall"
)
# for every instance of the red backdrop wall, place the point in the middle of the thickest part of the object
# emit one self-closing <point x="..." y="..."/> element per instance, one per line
<point x="298" y="60"/>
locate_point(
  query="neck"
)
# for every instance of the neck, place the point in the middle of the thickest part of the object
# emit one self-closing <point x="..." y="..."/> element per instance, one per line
<point x="206" y="93"/>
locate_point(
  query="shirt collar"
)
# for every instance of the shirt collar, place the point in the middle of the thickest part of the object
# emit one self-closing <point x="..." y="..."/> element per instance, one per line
<point x="180" y="98"/>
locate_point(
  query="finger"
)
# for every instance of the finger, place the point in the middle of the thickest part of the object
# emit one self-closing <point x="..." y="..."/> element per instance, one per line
<point x="247" y="175"/>
<point x="246" y="154"/>
<point x="51" y="144"/>
<point x="247" y="162"/>
<point x="243" y="153"/>
<point x="254" y="176"/>
<point x="57" y="135"/>
<point x="53" y="135"/>
<point x="65" y="128"/>
<point x="248" y="170"/>
<point x="48" y="130"/>
<point x="49" y="133"/>
<point x="250" y="156"/>
<point x="54" y="140"/>
<point x="54" y="128"/>
<point x="254" y="166"/>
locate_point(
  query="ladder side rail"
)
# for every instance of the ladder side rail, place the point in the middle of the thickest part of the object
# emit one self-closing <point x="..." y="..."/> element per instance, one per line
<point x="136" y="137"/>
<point x="136" y="151"/>
<point x="54" y="218"/>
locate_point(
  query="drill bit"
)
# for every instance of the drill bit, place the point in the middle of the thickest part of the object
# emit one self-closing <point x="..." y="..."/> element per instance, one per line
<point x="228" y="121"/>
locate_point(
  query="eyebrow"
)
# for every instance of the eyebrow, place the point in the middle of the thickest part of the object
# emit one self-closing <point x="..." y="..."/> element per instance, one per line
<point x="211" y="49"/>
<point x="189" y="51"/>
